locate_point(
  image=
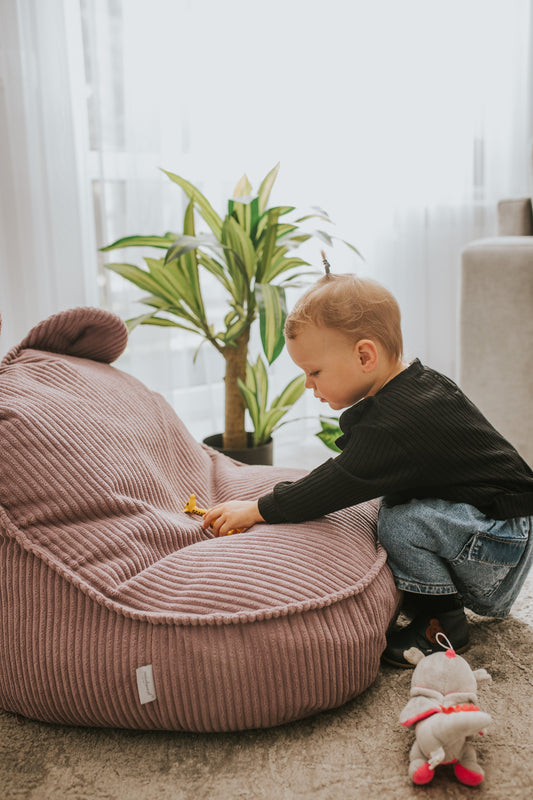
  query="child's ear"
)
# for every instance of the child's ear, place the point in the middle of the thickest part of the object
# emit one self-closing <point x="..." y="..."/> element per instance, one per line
<point x="367" y="353"/>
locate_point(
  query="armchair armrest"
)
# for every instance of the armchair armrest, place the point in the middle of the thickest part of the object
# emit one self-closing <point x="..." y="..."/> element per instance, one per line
<point x="496" y="334"/>
<point x="515" y="217"/>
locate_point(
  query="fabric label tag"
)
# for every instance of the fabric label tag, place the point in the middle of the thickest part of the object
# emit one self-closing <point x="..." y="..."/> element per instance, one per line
<point x="145" y="684"/>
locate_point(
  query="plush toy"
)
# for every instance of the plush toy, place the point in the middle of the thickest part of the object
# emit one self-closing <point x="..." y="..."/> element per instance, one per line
<point x="192" y="508"/>
<point x="444" y="712"/>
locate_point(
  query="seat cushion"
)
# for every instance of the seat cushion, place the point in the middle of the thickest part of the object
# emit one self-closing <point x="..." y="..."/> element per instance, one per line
<point x="117" y="608"/>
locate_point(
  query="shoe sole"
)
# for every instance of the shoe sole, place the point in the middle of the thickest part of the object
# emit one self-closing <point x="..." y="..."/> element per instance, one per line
<point x="407" y="665"/>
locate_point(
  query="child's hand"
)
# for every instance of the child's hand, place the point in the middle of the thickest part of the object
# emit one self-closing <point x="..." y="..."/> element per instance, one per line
<point x="231" y="515"/>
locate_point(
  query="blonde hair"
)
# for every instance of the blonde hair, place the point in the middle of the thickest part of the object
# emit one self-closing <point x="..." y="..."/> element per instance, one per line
<point x="361" y="308"/>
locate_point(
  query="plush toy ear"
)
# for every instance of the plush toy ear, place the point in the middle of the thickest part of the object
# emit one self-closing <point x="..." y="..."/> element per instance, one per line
<point x="413" y="655"/>
<point x="481" y="675"/>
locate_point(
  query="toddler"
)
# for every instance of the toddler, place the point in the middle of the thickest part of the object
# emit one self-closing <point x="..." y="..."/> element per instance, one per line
<point x="455" y="498"/>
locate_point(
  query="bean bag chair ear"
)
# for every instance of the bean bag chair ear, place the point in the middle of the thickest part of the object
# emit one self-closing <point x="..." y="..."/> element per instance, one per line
<point x="116" y="607"/>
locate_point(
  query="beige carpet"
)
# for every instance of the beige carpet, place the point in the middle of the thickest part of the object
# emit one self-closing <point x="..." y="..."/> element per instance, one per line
<point x="358" y="751"/>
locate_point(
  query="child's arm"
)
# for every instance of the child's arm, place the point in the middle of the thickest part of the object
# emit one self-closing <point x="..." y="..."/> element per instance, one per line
<point x="231" y="515"/>
<point x="372" y="464"/>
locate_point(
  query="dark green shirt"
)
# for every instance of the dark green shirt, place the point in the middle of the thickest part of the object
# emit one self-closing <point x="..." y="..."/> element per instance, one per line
<point x="418" y="437"/>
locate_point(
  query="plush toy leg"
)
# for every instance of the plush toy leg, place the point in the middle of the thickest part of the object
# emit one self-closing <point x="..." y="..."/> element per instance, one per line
<point x="419" y="770"/>
<point x="467" y="770"/>
<point x="423" y="774"/>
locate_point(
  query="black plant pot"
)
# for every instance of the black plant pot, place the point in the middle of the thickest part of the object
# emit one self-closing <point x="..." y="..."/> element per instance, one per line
<point x="248" y="455"/>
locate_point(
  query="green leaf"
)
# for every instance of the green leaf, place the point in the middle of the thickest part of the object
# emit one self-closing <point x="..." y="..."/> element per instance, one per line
<point x="272" y="314"/>
<point x="268" y="424"/>
<point x="320" y="211"/>
<point x="235" y="274"/>
<point x="324" y="217"/>
<point x="243" y="188"/>
<point x="141" y="241"/>
<point x="154" y="264"/>
<point x="267" y="244"/>
<point x="261" y="382"/>
<point x="292" y="392"/>
<point x="255" y="392"/>
<point x="351" y="246"/>
<point x="132" y="323"/>
<point x="174" y="283"/>
<point x="175" y="310"/>
<point x="280" y="264"/>
<point x="142" y="279"/>
<point x="242" y="247"/>
<point x="165" y="293"/>
<point x="251" y="381"/>
<point x="296" y="282"/>
<point x="166" y="282"/>
<point x="284" y="229"/>
<point x="294" y="241"/>
<point x="188" y="220"/>
<point x="186" y="243"/>
<point x="155" y="302"/>
<point x="246" y="211"/>
<point x="217" y="270"/>
<point x="325" y="237"/>
<point x="234" y="331"/>
<point x="251" y="403"/>
<point x="230" y="318"/>
<point x="282" y="210"/>
<point x="330" y="432"/>
<point x="266" y="187"/>
<point x="277" y="211"/>
<point x="273" y="213"/>
<point x="204" y="206"/>
<point x="190" y="260"/>
<point x="163" y="322"/>
<point x="150" y="319"/>
<point x="329" y="440"/>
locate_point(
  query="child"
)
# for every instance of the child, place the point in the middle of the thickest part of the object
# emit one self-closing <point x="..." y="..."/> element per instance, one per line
<point x="456" y="499"/>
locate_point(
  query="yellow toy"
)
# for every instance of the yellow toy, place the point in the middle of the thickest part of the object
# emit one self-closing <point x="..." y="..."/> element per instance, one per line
<point x="192" y="508"/>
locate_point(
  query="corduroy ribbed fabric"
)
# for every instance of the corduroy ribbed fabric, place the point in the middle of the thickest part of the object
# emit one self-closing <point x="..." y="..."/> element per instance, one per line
<point x="101" y="572"/>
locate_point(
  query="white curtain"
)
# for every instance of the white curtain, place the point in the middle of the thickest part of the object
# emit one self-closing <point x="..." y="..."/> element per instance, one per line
<point x="406" y="121"/>
<point x="47" y="245"/>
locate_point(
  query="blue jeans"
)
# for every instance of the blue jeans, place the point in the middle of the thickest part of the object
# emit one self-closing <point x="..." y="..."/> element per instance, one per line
<point x="438" y="547"/>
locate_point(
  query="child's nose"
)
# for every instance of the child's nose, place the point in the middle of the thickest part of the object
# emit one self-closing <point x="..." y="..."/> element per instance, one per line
<point x="309" y="383"/>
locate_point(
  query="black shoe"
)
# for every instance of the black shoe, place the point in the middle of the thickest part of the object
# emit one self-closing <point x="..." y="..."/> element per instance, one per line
<point x="421" y="633"/>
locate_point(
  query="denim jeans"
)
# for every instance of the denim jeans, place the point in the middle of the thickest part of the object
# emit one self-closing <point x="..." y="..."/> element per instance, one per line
<point x="438" y="547"/>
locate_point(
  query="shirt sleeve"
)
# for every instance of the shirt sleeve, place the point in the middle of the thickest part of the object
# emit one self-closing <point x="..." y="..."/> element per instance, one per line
<point x="372" y="464"/>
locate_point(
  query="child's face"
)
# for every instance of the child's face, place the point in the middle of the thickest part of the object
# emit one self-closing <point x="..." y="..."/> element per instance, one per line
<point x="333" y="366"/>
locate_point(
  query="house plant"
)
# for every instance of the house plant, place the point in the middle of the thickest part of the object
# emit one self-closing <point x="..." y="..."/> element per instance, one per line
<point x="329" y="432"/>
<point x="249" y="252"/>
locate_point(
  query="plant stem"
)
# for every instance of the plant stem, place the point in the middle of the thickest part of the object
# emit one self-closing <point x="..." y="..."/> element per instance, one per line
<point x="234" y="432"/>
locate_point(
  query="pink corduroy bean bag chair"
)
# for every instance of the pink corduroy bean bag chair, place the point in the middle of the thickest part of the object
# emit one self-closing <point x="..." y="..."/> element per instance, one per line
<point x="118" y="609"/>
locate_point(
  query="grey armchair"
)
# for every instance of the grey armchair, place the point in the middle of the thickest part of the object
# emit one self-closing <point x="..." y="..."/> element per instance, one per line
<point x="496" y="325"/>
